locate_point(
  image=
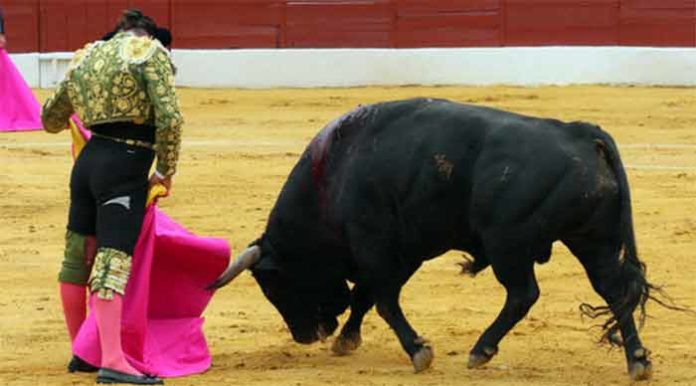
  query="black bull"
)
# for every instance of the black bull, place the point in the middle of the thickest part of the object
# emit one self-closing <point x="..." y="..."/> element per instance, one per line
<point x="387" y="186"/>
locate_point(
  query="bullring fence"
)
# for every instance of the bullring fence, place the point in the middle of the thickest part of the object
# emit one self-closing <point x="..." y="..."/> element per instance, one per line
<point x="310" y="43"/>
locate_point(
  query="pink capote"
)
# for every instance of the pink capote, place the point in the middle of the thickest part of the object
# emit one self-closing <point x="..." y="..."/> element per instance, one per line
<point x="165" y="297"/>
<point x="19" y="109"/>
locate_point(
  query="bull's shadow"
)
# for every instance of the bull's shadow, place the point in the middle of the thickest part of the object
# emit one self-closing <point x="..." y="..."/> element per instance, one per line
<point x="387" y="186"/>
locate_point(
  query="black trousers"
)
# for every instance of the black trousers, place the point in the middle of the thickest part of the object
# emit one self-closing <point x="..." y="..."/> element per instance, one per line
<point x="108" y="190"/>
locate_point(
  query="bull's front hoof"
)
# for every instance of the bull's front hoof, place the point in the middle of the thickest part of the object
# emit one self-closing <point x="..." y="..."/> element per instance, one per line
<point x="422" y="359"/>
<point x="343" y="345"/>
<point x="480" y="359"/>
<point x="640" y="367"/>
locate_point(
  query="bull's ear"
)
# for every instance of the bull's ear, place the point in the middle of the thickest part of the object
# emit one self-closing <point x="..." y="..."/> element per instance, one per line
<point x="266" y="263"/>
<point x="601" y="145"/>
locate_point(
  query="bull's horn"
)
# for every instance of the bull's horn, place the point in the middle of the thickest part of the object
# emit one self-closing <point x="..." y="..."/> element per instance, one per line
<point x="245" y="260"/>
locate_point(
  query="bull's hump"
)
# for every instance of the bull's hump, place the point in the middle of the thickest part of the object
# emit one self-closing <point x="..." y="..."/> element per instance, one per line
<point x="348" y="127"/>
<point x="351" y="123"/>
<point x="338" y="129"/>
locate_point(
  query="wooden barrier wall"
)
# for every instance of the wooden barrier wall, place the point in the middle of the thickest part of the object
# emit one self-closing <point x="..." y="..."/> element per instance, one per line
<point x="65" y="25"/>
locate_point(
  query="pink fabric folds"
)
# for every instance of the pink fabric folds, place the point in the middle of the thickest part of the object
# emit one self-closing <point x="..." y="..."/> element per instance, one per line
<point x="165" y="298"/>
<point x="19" y="109"/>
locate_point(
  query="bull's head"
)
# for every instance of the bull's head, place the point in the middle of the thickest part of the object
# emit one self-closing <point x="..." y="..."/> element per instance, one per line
<point x="309" y="307"/>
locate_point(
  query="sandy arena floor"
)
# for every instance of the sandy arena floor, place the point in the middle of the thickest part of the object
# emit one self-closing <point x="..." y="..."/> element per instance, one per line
<point x="239" y="147"/>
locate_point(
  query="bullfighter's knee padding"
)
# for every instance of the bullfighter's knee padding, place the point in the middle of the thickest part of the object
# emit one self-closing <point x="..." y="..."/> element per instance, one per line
<point x="74" y="268"/>
<point x="110" y="274"/>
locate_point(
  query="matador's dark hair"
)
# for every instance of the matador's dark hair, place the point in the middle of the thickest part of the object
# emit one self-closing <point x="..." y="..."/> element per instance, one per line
<point x="134" y="18"/>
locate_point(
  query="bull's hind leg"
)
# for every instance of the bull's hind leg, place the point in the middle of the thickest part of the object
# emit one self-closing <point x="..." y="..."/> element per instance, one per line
<point x="620" y="286"/>
<point x="350" y="339"/>
<point x="522" y="292"/>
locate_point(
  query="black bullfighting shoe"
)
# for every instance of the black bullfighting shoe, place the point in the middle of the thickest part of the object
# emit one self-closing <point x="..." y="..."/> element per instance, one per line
<point x="117" y="377"/>
<point x="77" y="364"/>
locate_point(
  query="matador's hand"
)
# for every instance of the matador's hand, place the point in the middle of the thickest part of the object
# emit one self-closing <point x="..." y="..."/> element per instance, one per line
<point x="164" y="181"/>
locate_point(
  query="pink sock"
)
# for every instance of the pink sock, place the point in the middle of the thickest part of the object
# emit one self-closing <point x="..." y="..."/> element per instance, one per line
<point x="108" y="317"/>
<point x="73" y="297"/>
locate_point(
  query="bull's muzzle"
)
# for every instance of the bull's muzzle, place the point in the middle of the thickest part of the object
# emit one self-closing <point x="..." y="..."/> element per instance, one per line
<point x="307" y="336"/>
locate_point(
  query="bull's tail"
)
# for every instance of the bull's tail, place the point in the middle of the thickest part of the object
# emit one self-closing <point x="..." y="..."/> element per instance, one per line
<point x="636" y="289"/>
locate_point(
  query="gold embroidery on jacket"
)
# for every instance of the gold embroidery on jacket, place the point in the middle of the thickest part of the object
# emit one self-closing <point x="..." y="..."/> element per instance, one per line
<point x="128" y="78"/>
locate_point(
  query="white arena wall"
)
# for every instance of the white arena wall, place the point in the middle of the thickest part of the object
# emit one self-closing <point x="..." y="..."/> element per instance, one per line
<point x="28" y="65"/>
<point x="306" y="68"/>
